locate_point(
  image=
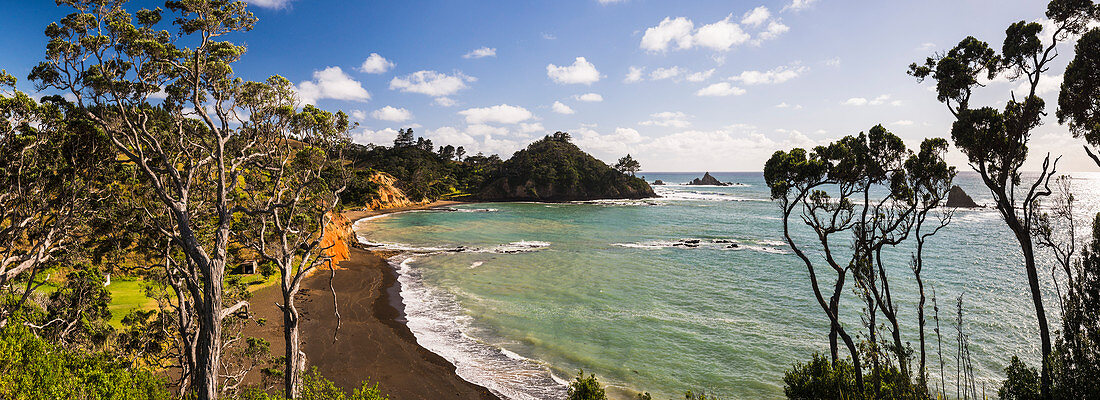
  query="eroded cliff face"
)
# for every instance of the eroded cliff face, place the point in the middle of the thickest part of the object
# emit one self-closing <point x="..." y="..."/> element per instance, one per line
<point x="338" y="234"/>
<point x="389" y="196"/>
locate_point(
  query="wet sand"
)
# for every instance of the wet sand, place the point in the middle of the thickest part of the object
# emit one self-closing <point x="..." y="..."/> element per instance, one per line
<point x="372" y="341"/>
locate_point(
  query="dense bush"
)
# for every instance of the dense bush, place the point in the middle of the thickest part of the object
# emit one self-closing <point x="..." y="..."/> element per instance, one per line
<point x="33" y="368"/>
<point x="586" y="388"/>
<point x="317" y="387"/>
<point x="1021" y="382"/>
<point x="822" y="379"/>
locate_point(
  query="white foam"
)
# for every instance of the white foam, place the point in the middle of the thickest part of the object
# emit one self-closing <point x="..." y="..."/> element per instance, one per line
<point x="440" y="325"/>
<point x="695" y="195"/>
<point x="476" y="264"/>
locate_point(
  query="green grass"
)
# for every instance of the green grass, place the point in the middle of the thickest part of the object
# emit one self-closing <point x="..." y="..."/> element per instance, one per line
<point x="127" y="294"/>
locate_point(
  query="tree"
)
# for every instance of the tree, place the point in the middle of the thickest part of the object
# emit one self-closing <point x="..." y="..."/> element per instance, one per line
<point x="460" y="153"/>
<point x="1077" y="103"/>
<point x="995" y="140"/>
<point x="189" y="150"/>
<point x="447" y="152"/>
<point x="837" y="189"/>
<point x="293" y="185"/>
<point x="628" y="165"/>
<point x="404" y="138"/>
<point x="50" y="161"/>
<point x="586" y="388"/>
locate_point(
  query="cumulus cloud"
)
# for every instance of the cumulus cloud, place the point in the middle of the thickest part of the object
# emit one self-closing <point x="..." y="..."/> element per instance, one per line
<point x="359" y="115"/>
<point x="560" y="108"/>
<point x="720" y="89"/>
<point x="668" y="119"/>
<point x="756" y="16"/>
<point x="431" y="83"/>
<point x="880" y="100"/>
<point x="634" y="75"/>
<point x="482" y="53"/>
<point x="665" y="73"/>
<point x="774" y="29"/>
<point x="785" y="105"/>
<point x="376" y="64"/>
<point x="581" y="71"/>
<point x="272" y="4"/>
<point x="589" y="97"/>
<point x="903" y="122"/>
<point x="332" y="83"/>
<point x="391" y="114"/>
<point x="700" y="76"/>
<point x="503" y="114"/>
<point x="444" y="102"/>
<point x="776" y="75"/>
<point x="669" y="31"/>
<point x="529" y="128"/>
<point x="721" y="35"/>
<point x="798" y="5"/>
<point x="379" y="137"/>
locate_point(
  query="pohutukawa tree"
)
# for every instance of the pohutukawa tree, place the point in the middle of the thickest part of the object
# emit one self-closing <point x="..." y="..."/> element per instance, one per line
<point x="49" y="161"/>
<point x="860" y="196"/>
<point x="995" y="140"/>
<point x="192" y="150"/>
<point x="292" y="190"/>
<point x="1079" y="99"/>
<point x="628" y="165"/>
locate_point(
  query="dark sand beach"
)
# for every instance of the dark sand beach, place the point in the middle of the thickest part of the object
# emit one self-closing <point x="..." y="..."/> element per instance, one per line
<point x="372" y="341"/>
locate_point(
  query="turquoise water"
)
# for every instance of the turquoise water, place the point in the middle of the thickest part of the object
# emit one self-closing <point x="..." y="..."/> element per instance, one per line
<point x="519" y="296"/>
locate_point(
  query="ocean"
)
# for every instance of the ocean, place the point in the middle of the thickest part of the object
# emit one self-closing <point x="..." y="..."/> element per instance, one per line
<point x="522" y="296"/>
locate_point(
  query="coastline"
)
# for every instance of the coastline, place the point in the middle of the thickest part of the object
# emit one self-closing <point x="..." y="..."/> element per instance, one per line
<point x="373" y="340"/>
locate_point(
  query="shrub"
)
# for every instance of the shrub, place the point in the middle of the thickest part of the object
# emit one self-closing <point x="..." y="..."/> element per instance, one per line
<point x="586" y="388"/>
<point x="1021" y="382"/>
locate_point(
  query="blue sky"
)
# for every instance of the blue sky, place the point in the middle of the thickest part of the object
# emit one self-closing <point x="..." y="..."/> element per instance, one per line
<point x="719" y="85"/>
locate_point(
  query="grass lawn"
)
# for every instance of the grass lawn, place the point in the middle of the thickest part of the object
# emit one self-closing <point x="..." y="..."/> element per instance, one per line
<point x="127" y="294"/>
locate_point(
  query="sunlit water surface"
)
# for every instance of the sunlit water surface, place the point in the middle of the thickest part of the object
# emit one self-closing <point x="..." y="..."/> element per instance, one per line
<point x="520" y="296"/>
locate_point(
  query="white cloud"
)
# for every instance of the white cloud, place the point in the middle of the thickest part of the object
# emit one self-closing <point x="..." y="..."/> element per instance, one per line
<point x="635" y="75"/>
<point x="756" y="16"/>
<point x="359" y="115"/>
<point x="785" y="105"/>
<point x="700" y="76"/>
<point x="560" y="108"/>
<point x="665" y="73"/>
<point x="481" y="53"/>
<point x="431" y="83"/>
<point x="926" y="46"/>
<point x="486" y="130"/>
<point x="798" y="5"/>
<point x="391" y="114"/>
<point x="444" y="102"/>
<point x="658" y="38"/>
<point x="668" y="119"/>
<point x="589" y="97"/>
<point x="529" y="128"/>
<point x="720" y="89"/>
<point x="776" y="75"/>
<point x="1048" y="84"/>
<point x="379" y="137"/>
<point x="376" y="64"/>
<point x="903" y="122"/>
<point x="581" y="71"/>
<point x="775" y="28"/>
<point x="832" y="62"/>
<point x="877" y="101"/>
<point x="273" y="4"/>
<point x="331" y="83"/>
<point x="549" y="36"/>
<point x="721" y="35"/>
<point x="503" y="113"/>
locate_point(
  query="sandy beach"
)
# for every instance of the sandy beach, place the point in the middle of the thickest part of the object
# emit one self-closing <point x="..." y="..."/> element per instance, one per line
<point x="372" y="342"/>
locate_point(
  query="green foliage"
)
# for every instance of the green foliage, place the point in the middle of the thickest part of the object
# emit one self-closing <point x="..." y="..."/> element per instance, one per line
<point x="1076" y="357"/>
<point x="585" y="388"/>
<point x="690" y="395"/>
<point x="78" y="311"/>
<point x="821" y="379"/>
<point x="628" y="165"/>
<point x="420" y="173"/>
<point x="317" y="387"/>
<point x="1077" y="103"/>
<point x="554" y="169"/>
<point x="1021" y="382"/>
<point x="32" y="368"/>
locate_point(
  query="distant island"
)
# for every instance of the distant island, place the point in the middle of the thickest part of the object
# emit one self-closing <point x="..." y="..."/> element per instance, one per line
<point x="707" y="180"/>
